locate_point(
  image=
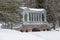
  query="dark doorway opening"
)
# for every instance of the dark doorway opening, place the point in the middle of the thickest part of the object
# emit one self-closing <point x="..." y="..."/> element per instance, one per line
<point x="44" y="29"/>
<point x="48" y="29"/>
<point x="26" y="30"/>
<point x="21" y="30"/>
<point x="35" y="29"/>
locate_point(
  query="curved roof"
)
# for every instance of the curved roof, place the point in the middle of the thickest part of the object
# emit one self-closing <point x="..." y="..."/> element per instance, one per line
<point x="32" y="9"/>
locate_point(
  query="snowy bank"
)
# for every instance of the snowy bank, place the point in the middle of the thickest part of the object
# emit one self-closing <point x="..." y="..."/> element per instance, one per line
<point x="6" y="34"/>
<point x="47" y="35"/>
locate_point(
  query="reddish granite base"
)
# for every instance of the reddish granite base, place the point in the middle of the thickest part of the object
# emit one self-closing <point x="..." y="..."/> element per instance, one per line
<point x="27" y="28"/>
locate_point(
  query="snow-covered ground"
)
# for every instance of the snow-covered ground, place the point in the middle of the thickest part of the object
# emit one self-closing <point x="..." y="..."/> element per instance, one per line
<point x="7" y="34"/>
<point x="47" y="35"/>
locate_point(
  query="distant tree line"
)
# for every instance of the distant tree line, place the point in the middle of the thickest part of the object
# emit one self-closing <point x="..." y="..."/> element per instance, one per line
<point x="8" y="11"/>
<point x="53" y="10"/>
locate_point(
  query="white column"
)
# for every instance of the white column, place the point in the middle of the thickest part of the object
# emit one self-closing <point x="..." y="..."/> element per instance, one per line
<point x="30" y="17"/>
<point x="45" y="17"/>
<point x="27" y="17"/>
<point x="41" y="17"/>
<point x="33" y="17"/>
<point x="38" y="17"/>
<point x="23" y="17"/>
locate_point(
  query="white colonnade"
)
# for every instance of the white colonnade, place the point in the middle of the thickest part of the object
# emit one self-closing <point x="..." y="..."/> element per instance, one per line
<point x="35" y="17"/>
